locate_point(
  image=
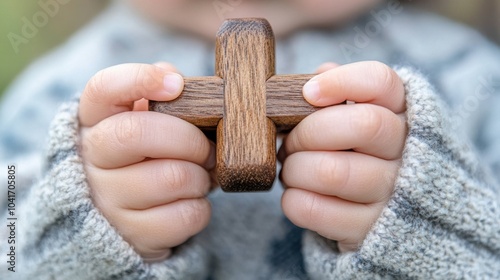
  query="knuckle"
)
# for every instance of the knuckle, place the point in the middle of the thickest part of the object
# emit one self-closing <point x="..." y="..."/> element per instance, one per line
<point x="146" y="77"/>
<point x="176" y="176"/>
<point x="389" y="178"/>
<point x="128" y="129"/>
<point x="303" y="137"/>
<point x="141" y="77"/>
<point x="390" y="80"/>
<point x="194" y="214"/>
<point x="330" y="172"/>
<point x="368" y="122"/>
<point x="202" y="148"/>
<point x="311" y="209"/>
<point x="96" y="87"/>
<point x="95" y="137"/>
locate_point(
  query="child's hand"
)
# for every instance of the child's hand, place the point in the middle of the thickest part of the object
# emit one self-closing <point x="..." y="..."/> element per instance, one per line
<point x="147" y="171"/>
<point x="342" y="161"/>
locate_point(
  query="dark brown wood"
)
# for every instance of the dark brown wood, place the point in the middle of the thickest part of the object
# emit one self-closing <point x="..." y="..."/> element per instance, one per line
<point x="246" y="102"/>
<point x="201" y="102"/>
<point x="246" y="158"/>
<point x="286" y="106"/>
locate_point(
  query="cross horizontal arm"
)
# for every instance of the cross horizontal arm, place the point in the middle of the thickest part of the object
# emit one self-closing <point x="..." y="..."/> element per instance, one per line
<point x="246" y="102"/>
<point x="285" y="105"/>
<point x="202" y="101"/>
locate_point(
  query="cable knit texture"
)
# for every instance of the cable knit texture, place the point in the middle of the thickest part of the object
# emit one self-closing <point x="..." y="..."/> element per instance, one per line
<point x="68" y="238"/>
<point x="443" y="219"/>
<point x="442" y="222"/>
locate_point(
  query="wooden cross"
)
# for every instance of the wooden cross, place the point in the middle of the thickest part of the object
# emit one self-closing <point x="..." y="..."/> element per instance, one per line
<point x="246" y="102"/>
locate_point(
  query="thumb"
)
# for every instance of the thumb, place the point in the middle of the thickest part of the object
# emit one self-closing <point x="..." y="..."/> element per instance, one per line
<point x="326" y="66"/>
<point x="143" y="104"/>
<point x="114" y="90"/>
<point x="167" y="66"/>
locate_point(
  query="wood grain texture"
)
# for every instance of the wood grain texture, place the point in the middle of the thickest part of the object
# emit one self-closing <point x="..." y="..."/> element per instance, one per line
<point x="246" y="157"/>
<point x="245" y="102"/>
<point x="285" y="105"/>
<point x="201" y="102"/>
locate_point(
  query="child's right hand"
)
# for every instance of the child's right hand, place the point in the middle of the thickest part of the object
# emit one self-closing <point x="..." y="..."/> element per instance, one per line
<point x="148" y="172"/>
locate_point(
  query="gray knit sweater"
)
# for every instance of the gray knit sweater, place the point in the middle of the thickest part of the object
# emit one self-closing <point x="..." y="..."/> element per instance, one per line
<point x="443" y="221"/>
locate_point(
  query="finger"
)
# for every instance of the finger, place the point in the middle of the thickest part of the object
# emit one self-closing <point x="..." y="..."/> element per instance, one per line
<point x="167" y="66"/>
<point x="330" y="216"/>
<point x="348" y="175"/>
<point x="131" y="137"/>
<point x="364" y="128"/>
<point x="326" y="67"/>
<point x="115" y="89"/>
<point x="154" y="231"/>
<point x="143" y="104"/>
<point x="362" y="82"/>
<point x="150" y="183"/>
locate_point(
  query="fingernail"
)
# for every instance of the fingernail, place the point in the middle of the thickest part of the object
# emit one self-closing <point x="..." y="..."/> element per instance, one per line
<point x="311" y="91"/>
<point x="173" y="83"/>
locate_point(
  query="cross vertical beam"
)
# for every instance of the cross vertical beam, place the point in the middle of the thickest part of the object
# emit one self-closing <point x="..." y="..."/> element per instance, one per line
<point x="246" y="138"/>
<point x="245" y="102"/>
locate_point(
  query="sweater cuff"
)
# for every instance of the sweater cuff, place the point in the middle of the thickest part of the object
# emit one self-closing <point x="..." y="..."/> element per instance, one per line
<point x="64" y="236"/>
<point x="442" y="220"/>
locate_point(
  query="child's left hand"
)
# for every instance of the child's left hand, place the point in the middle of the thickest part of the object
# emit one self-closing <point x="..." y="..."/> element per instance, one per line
<point x="340" y="163"/>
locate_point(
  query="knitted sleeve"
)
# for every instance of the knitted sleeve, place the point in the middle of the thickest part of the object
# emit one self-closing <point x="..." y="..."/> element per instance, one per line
<point x="443" y="220"/>
<point x="61" y="235"/>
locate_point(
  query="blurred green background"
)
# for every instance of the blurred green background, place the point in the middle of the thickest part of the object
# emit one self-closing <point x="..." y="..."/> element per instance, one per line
<point x="483" y="15"/>
<point x="69" y="18"/>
